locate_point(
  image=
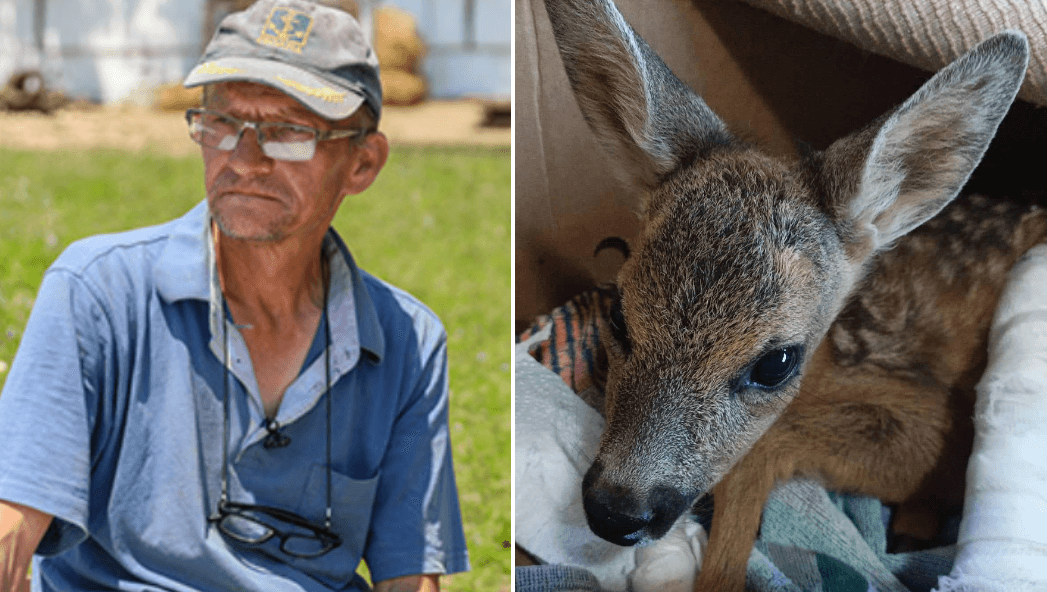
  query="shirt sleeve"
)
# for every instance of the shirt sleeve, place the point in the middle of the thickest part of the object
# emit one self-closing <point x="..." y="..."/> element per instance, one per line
<point x="46" y="409"/>
<point x="416" y="526"/>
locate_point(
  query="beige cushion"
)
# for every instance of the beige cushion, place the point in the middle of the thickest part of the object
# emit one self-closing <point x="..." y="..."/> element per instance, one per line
<point x="927" y="34"/>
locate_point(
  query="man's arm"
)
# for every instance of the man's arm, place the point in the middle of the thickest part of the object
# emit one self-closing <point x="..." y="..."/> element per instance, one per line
<point x="416" y="523"/>
<point x="419" y="583"/>
<point x="21" y="529"/>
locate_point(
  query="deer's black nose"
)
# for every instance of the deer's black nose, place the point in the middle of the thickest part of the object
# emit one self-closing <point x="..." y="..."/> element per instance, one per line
<point x="617" y="514"/>
<point x="613" y="514"/>
<point x="620" y="528"/>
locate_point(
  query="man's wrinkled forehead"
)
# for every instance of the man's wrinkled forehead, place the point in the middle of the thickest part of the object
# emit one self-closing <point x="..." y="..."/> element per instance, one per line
<point x="250" y="98"/>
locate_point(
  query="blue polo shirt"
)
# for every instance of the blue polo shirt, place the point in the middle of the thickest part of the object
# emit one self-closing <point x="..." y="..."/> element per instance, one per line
<point x="112" y="422"/>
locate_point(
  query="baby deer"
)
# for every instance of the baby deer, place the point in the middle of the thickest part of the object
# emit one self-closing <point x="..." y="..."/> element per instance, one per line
<point x="826" y="317"/>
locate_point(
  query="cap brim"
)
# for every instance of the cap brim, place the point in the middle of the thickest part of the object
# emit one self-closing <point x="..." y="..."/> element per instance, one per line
<point x="312" y="91"/>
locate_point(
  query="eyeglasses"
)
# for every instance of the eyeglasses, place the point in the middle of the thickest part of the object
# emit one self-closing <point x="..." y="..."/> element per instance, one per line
<point x="280" y="141"/>
<point x="249" y="524"/>
<point x="252" y="524"/>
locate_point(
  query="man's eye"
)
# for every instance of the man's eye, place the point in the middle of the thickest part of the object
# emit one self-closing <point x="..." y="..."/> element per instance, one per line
<point x="289" y="133"/>
<point x="216" y="124"/>
<point x="218" y="119"/>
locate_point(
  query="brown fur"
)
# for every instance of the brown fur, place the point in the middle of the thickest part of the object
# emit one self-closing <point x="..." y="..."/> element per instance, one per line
<point x="886" y="402"/>
<point x="851" y="262"/>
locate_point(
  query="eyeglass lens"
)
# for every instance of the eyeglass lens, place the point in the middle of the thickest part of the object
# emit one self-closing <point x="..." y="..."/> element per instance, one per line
<point x="281" y="141"/>
<point x="246" y="527"/>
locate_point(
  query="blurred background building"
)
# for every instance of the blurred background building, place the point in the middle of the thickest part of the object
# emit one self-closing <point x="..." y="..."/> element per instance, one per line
<point x="123" y="50"/>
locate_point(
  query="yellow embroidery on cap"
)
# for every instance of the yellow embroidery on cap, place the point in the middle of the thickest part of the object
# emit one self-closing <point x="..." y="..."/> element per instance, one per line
<point x="286" y="28"/>
<point x="326" y="93"/>
<point x="213" y="68"/>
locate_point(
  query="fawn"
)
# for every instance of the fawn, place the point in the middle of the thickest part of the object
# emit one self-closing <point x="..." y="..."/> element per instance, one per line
<point x="825" y="317"/>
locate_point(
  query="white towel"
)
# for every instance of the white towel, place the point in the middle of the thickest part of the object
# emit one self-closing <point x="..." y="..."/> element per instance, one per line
<point x="1003" y="537"/>
<point x="557" y="436"/>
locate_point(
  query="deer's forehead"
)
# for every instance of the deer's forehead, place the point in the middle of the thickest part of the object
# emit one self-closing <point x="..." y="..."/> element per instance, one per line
<point x="753" y="248"/>
<point x="733" y="180"/>
<point x="735" y="243"/>
<point x="742" y="202"/>
<point x="727" y="283"/>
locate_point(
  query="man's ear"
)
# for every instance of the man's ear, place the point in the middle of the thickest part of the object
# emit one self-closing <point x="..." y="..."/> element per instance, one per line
<point x="366" y="161"/>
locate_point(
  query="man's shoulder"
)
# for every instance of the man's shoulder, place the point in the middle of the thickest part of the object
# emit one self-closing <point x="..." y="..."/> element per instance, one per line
<point x="133" y="247"/>
<point x="391" y="301"/>
<point x="79" y="256"/>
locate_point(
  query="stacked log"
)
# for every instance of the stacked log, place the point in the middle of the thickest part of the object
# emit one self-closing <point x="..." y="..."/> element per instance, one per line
<point x="26" y="91"/>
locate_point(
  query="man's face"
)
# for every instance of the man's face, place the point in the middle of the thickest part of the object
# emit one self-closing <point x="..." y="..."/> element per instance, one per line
<point x="254" y="197"/>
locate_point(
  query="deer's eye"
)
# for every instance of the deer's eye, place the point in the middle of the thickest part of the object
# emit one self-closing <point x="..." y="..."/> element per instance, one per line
<point x="618" y="328"/>
<point x="776" y="367"/>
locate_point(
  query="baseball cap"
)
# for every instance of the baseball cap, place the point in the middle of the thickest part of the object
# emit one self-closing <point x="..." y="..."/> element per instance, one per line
<point x="317" y="54"/>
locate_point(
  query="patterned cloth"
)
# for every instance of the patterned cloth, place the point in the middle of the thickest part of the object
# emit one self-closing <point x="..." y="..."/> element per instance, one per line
<point x="573" y="349"/>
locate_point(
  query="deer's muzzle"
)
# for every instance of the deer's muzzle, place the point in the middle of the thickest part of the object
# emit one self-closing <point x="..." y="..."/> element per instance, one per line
<point x="624" y="516"/>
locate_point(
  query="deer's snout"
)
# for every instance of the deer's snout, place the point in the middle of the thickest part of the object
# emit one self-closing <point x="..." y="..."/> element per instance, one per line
<point x="625" y="516"/>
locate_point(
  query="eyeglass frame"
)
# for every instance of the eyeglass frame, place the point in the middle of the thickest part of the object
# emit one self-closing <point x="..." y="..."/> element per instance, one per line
<point x="324" y="535"/>
<point x="319" y="135"/>
<point x="226" y="507"/>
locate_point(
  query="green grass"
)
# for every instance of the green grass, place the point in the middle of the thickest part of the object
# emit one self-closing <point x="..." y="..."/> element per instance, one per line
<point x="436" y="223"/>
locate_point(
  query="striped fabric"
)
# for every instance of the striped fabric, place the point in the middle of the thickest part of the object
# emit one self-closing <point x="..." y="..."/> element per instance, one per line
<point x="573" y="349"/>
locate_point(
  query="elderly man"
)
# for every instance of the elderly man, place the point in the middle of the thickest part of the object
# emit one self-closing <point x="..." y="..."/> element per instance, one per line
<point x="225" y="401"/>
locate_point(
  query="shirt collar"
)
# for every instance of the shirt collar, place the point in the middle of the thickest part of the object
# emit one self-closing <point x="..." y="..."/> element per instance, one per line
<point x="186" y="269"/>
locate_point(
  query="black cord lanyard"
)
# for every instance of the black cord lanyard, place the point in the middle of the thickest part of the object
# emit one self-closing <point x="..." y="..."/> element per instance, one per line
<point x="225" y="395"/>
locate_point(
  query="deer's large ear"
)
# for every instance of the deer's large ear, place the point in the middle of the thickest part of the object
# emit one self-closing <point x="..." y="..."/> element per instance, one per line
<point x="904" y="168"/>
<point x="639" y="111"/>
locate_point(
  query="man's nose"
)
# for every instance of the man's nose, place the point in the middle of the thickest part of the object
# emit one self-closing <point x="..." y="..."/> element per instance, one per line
<point x="248" y="157"/>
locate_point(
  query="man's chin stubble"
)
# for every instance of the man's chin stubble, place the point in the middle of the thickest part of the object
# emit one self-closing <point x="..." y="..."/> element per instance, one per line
<point x="273" y="234"/>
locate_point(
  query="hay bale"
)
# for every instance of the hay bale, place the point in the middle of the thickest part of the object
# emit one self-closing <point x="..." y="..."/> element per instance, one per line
<point x="396" y="40"/>
<point x="175" y="98"/>
<point x="402" y="88"/>
<point x="349" y="6"/>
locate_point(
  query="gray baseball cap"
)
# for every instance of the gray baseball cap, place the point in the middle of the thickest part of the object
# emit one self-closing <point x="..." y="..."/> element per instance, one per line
<point x="317" y="54"/>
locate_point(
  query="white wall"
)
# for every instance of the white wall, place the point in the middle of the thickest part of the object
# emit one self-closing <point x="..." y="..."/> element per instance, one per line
<point x="453" y="68"/>
<point x="16" y="34"/>
<point x="103" y="49"/>
<point x="113" y="50"/>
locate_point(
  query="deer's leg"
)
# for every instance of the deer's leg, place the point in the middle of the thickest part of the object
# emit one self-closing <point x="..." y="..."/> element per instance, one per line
<point x="738" y="504"/>
<point x="889" y="438"/>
